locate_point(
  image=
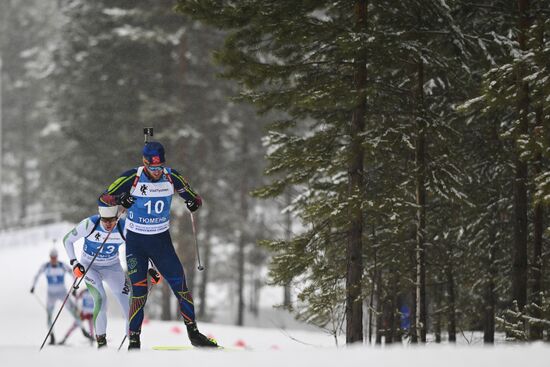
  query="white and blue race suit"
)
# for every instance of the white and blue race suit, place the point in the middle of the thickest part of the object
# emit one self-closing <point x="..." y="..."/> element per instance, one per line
<point x="94" y="235"/>
<point x="55" y="277"/>
<point x="105" y="268"/>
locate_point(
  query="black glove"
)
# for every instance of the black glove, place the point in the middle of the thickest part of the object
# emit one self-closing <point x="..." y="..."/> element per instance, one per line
<point x="32" y="290"/>
<point x="125" y="199"/>
<point x="194" y="204"/>
<point x="156" y="278"/>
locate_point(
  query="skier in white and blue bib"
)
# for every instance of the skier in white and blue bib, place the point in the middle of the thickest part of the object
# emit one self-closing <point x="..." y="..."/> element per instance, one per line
<point x="147" y="192"/>
<point x="55" y="271"/>
<point x="106" y="266"/>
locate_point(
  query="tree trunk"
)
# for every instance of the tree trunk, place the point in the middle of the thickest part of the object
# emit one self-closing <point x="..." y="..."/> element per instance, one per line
<point x="519" y="269"/>
<point x="24" y="183"/>
<point x="399" y="330"/>
<point x="412" y="332"/>
<point x="354" y="253"/>
<point x="495" y="215"/>
<point x="489" y="312"/>
<point x="372" y="294"/>
<point x="392" y="309"/>
<point x="437" y="313"/>
<point x="379" y="320"/>
<point x="451" y="307"/>
<point x="420" y="162"/>
<point x="243" y="199"/>
<point x="536" y="331"/>
<point x="490" y="298"/>
<point x="287" y="300"/>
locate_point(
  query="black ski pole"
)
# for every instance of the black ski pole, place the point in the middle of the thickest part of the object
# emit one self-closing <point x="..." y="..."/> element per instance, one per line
<point x="40" y="301"/>
<point x="200" y="267"/>
<point x="76" y="283"/>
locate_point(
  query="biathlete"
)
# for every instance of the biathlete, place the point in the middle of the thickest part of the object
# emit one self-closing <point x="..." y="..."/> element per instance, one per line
<point x="106" y="266"/>
<point x="55" y="271"/>
<point x="147" y="192"/>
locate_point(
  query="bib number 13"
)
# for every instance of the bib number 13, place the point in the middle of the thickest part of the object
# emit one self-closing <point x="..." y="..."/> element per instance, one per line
<point x="158" y="207"/>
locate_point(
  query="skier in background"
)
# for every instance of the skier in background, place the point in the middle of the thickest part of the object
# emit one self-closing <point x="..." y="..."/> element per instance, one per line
<point x="55" y="271"/>
<point x="147" y="193"/>
<point x="106" y="266"/>
<point x="86" y="302"/>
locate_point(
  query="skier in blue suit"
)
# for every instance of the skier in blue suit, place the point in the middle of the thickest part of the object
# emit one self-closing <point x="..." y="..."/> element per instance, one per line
<point x="55" y="271"/>
<point x="147" y="193"/>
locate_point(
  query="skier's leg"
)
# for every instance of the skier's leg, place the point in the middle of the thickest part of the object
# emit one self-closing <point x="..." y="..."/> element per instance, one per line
<point x="51" y="300"/>
<point x="119" y="284"/>
<point x="137" y="261"/>
<point x="167" y="262"/>
<point x="50" y="304"/>
<point x="95" y="286"/>
<point x="69" y="332"/>
<point x="73" y="309"/>
<point x="90" y="325"/>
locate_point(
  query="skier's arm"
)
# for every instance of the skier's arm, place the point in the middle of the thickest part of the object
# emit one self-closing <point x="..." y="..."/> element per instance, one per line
<point x="81" y="230"/>
<point x="40" y="271"/>
<point x="182" y="187"/>
<point x="121" y="186"/>
<point x="67" y="269"/>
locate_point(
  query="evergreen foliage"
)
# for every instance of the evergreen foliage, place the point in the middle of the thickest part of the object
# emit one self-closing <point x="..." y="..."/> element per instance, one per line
<point x="424" y="59"/>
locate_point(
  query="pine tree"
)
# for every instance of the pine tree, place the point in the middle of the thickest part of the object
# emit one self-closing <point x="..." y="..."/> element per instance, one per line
<point x="509" y="99"/>
<point x="26" y="38"/>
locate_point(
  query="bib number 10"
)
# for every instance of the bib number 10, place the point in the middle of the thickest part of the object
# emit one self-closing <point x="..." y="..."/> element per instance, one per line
<point x="158" y="207"/>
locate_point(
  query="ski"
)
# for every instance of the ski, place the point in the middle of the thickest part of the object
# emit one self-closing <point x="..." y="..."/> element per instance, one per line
<point x="189" y="347"/>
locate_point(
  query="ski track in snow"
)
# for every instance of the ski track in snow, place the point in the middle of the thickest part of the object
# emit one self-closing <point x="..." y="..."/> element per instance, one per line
<point x="23" y="328"/>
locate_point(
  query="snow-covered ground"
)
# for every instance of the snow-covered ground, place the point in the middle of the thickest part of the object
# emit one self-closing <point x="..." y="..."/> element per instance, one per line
<point x="23" y="327"/>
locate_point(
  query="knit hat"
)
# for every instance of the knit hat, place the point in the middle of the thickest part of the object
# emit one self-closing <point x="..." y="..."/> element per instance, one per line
<point x="153" y="153"/>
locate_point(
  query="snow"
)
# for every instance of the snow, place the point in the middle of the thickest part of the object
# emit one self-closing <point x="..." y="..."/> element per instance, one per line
<point x="23" y="327"/>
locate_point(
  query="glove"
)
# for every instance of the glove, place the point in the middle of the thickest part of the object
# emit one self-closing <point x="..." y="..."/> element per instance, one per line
<point x="78" y="268"/>
<point x="32" y="290"/>
<point x="194" y="204"/>
<point x="156" y="278"/>
<point x="125" y="199"/>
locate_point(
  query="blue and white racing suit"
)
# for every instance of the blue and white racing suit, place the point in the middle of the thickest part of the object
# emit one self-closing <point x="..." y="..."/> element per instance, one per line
<point x="148" y="236"/>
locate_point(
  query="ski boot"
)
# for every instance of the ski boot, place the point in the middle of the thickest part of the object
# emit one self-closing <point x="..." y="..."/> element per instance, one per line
<point x="63" y="341"/>
<point x="52" y="339"/>
<point x="101" y="341"/>
<point x="134" y="342"/>
<point x="199" y="340"/>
